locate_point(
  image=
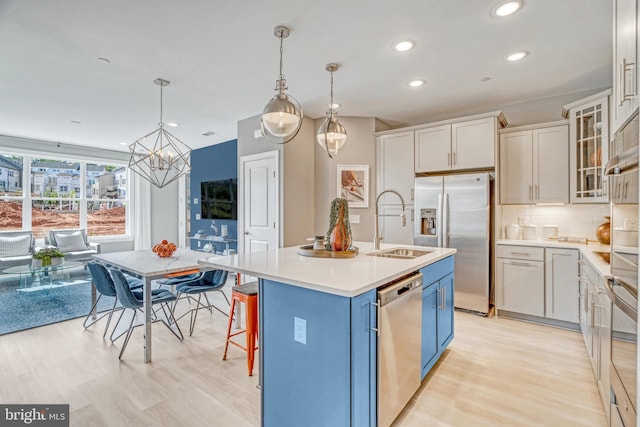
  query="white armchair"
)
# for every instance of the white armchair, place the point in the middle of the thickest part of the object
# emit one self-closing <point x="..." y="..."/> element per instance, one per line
<point x="73" y="244"/>
<point x="16" y="248"/>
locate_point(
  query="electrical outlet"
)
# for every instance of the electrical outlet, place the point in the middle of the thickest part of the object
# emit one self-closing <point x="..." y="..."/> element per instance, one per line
<point x="354" y="219"/>
<point x="197" y="216"/>
<point x="195" y="200"/>
<point x="300" y="330"/>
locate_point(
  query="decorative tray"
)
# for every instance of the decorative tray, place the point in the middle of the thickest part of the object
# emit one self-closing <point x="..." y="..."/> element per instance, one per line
<point x="308" y="250"/>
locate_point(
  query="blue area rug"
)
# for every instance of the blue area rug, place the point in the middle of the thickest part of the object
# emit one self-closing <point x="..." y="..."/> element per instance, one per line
<point x="24" y="308"/>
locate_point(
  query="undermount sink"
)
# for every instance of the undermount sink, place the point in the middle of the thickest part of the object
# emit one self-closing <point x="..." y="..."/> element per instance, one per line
<point x="605" y="256"/>
<point x="401" y="253"/>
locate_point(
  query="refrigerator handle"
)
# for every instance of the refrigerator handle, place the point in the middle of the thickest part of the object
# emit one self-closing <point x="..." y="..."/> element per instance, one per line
<point x="439" y="220"/>
<point x="445" y="221"/>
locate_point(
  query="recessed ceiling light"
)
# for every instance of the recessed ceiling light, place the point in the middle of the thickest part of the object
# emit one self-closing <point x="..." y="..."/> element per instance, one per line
<point x="123" y="143"/>
<point x="104" y="60"/>
<point x="208" y="133"/>
<point x="516" y="56"/>
<point x="404" y="45"/>
<point x="416" y="83"/>
<point x="172" y="124"/>
<point x="506" y="8"/>
<point x="334" y="105"/>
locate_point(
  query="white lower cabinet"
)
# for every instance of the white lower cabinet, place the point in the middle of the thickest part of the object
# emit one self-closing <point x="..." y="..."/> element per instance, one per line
<point x="521" y="279"/>
<point x="538" y="282"/>
<point x="561" y="284"/>
<point x="595" y="323"/>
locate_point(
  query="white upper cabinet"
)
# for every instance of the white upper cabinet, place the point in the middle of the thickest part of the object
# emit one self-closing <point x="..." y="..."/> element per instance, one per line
<point x="433" y="149"/>
<point x="473" y="144"/>
<point x="458" y="145"/>
<point x="394" y="153"/>
<point x="625" y="90"/>
<point x="588" y="148"/>
<point x="533" y="165"/>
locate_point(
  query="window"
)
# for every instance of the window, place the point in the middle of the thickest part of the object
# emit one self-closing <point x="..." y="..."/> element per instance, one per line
<point x="63" y="194"/>
<point x="106" y="199"/>
<point x="9" y="173"/>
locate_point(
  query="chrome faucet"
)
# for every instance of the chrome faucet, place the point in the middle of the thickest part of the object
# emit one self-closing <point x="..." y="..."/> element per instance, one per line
<point x="403" y="218"/>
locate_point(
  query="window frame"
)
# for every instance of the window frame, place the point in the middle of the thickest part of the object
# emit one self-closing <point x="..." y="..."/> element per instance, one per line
<point x="27" y="199"/>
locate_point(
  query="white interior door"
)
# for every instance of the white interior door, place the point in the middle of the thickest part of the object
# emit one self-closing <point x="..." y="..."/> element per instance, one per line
<point x="259" y="201"/>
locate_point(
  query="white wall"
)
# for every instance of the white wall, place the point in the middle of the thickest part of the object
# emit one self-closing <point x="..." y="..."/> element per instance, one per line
<point x="360" y="149"/>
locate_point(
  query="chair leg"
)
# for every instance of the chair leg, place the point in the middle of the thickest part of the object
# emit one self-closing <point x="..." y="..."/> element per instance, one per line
<point x="226" y="344"/>
<point x="252" y="322"/>
<point x="109" y="319"/>
<point x="129" y="332"/>
<point x="194" y="315"/>
<point x="86" y="323"/>
<point x="169" y="316"/>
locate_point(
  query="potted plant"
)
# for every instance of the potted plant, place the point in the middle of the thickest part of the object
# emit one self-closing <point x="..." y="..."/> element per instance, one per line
<point x="46" y="257"/>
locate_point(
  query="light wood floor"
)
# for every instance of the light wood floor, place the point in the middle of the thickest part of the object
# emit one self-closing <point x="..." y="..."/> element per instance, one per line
<point x="496" y="372"/>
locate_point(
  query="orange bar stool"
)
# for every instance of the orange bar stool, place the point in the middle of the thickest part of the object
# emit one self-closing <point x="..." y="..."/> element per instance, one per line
<point x="248" y="294"/>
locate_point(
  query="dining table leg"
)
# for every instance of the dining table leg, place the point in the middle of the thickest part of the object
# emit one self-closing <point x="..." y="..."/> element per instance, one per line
<point x="147" y="319"/>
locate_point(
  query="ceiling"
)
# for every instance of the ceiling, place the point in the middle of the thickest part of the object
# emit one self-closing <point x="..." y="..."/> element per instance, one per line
<point x="222" y="60"/>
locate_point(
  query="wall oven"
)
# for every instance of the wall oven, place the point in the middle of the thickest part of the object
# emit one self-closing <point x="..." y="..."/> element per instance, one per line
<point x="622" y="287"/>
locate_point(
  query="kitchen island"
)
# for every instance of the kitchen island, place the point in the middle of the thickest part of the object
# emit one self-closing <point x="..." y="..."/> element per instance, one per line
<point x="318" y="321"/>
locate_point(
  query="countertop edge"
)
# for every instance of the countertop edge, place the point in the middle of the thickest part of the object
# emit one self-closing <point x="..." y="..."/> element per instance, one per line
<point x="416" y="264"/>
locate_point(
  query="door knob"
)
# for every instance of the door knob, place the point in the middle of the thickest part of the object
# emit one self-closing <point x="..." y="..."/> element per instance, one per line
<point x="246" y="233"/>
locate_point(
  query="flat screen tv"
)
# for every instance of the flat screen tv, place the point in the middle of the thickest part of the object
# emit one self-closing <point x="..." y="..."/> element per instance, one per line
<point x="219" y="199"/>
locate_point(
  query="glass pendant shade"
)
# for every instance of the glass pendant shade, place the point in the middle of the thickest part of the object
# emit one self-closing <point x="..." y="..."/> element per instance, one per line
<point x="331" y="135"/>
<point x="281" y="117"/>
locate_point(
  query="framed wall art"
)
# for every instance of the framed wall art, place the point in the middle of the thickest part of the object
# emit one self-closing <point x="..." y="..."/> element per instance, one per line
<point x="353" y="184"/>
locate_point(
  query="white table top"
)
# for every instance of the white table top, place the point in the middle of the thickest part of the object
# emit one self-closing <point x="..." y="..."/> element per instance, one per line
<point x="346" y="277"/>
<point x="145" y="263"/>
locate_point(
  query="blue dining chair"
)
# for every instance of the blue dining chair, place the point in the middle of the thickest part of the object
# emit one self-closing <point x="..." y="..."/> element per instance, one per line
<point x="209" y="281"/>
<point x="133" y="300"/>
<point x="105" y="287"/>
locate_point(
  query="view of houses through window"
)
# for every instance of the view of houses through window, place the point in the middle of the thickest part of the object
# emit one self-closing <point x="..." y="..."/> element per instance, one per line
<point x="62" y="194"/>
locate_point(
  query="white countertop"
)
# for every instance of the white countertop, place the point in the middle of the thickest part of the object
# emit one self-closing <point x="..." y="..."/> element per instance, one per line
<point x="586" y="249"/>
<point x="347" y="277"/>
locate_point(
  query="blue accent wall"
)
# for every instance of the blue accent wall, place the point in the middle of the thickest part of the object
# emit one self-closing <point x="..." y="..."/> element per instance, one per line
<point x="212" y="163"/>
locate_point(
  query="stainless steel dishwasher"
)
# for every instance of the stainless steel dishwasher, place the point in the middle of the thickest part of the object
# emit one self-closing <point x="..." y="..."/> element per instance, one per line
<point x="399" y="345"/>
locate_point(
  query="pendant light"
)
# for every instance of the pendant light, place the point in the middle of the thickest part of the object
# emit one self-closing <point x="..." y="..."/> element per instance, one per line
<point x="282" y="116"/>
<point x="159" y="157"/>
<point x="331" y="134"/>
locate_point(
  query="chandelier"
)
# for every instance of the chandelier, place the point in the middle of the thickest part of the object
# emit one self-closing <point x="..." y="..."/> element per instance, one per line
<point x="160" y="157"/>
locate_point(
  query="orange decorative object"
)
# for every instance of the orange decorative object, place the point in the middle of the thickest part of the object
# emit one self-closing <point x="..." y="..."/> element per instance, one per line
<point x="164" y="249"/>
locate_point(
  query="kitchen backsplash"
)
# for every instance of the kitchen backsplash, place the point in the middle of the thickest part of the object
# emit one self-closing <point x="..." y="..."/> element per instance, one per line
<point x="572" y="220"/>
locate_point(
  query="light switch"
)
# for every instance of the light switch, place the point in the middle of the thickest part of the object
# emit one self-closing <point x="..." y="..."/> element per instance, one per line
<point x="195" y="200"/>
<point x="354" y="219"/>
<point x="300" y="330"/>
<point x="197" y="216"/>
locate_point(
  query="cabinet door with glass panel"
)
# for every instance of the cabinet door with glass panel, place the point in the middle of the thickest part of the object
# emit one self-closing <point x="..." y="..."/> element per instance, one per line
<point x="589" y="136"/>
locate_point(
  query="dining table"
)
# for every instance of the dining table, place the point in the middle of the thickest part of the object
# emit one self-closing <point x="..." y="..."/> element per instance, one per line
<point x="147" y="266"/>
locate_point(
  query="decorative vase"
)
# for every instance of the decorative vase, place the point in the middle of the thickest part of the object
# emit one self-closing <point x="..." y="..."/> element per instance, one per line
<point x="603" y="232"/>
<point x="339" y="233"/>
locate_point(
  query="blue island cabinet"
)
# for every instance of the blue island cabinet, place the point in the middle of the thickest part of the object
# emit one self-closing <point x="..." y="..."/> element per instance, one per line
<point x="318" y="356"/>
<point x="437" y="311"/>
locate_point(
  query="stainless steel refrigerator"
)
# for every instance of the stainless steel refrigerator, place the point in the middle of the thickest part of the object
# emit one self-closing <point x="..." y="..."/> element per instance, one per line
<point x="454" y="211"/>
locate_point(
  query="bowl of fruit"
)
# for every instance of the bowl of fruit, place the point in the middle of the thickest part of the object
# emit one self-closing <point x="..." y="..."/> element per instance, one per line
<point x="164" y="249"/>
